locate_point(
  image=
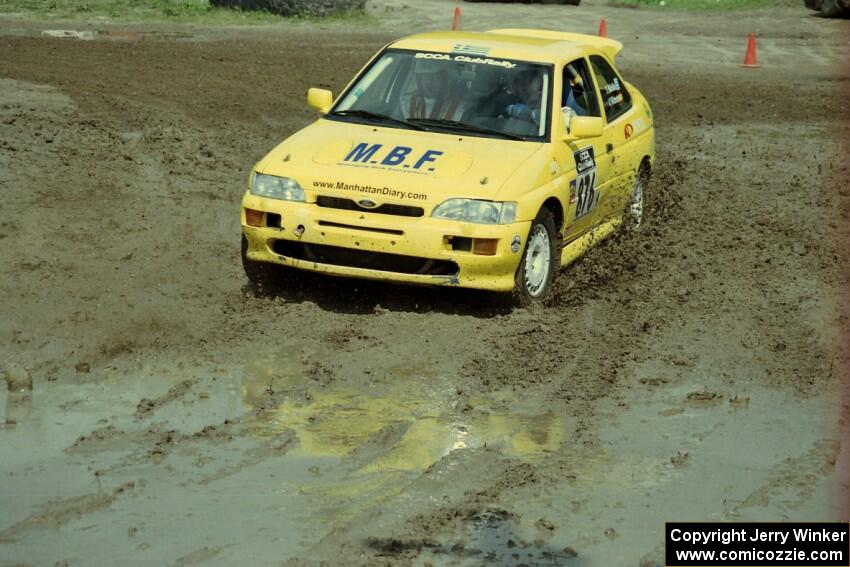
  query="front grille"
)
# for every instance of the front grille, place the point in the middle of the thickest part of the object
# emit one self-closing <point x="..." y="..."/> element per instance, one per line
<point x="386" y="209"/>
<point x="351" y="258"/>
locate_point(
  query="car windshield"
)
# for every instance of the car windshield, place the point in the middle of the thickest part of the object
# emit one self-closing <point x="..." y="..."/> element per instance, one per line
<point x="465" y="92"/>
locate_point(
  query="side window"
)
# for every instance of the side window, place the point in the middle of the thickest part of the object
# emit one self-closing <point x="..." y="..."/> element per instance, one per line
<point x="578" y="91"/>
<point x="615" y="98"/>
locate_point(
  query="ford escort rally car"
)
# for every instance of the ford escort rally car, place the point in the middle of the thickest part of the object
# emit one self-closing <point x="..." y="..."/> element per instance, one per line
<point x="483" y="160"/>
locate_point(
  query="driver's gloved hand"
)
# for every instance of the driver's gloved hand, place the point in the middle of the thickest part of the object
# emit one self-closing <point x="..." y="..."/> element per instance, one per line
<point x="519" y="111"/>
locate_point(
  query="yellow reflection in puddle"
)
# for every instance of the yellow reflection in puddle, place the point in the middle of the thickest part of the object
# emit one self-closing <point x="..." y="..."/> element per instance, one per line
<point x="384" y="434"/>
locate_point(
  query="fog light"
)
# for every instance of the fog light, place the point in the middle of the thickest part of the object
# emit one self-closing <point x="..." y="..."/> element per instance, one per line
<point x="485" y="246"/>
<point x="273" y="220"/>
<point x="460" y="243"/>
<point x="516" y="243"/>
<point x="253" y="218"/>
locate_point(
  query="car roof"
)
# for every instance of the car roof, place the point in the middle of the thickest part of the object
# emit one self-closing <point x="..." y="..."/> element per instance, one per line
<point x="522" y="44"/>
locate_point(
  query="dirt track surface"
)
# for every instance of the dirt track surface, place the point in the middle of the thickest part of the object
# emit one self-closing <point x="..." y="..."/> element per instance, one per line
<point x="689" y="373"/>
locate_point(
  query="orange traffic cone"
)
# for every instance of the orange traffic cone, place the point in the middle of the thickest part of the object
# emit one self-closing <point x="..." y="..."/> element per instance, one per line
<point x="751" y="59"/>
<point x="456" y="20"/>
<point x="603" y="28"/>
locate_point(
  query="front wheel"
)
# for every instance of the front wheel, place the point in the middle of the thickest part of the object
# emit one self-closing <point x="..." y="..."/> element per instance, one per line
<point x="539" y="263"/>
<point x="260" y="274"/>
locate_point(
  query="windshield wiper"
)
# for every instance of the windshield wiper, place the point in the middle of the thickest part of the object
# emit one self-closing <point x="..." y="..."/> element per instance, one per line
<point x="369" y="115"/>
<point x="455" y="125"/>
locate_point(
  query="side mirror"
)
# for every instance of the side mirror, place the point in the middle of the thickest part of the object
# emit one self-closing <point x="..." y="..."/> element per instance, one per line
<point x="320" y="100"/>
<point x="584" y="127"/>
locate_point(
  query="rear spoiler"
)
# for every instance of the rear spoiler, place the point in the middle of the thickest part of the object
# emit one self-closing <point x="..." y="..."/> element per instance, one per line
<point x="610" y="47"/>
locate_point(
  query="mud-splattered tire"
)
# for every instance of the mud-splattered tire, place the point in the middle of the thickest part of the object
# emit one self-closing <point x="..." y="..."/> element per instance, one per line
<point x="834" y="9"/>
<point x="540" y="260"/>
<point x="260" y="274"/>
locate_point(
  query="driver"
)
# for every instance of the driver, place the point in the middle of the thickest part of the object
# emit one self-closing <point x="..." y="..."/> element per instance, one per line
<point x="434" y="97"/>
<point x="528" y="88"/>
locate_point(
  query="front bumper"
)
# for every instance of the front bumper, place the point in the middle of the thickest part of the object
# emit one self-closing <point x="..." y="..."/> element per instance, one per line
<point x="384" y="236"/>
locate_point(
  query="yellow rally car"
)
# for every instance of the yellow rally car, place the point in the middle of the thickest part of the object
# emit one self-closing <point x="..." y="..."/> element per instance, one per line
<point x="482" y="160"/>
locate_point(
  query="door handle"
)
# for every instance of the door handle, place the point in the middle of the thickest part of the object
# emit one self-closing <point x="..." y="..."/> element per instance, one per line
<point x="609" y="147"/>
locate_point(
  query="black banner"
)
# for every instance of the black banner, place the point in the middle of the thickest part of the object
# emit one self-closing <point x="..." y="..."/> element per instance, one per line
<point x="741" y="544"/>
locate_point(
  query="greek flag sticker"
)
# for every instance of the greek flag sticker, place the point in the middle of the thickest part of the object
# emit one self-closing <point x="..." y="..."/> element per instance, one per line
<point x="463" y="49"/>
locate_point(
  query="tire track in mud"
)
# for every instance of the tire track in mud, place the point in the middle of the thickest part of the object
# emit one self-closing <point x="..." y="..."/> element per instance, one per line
<point x="792" y="483"/>
<point x="58" y="513"/>
<point x="161" y="146"/>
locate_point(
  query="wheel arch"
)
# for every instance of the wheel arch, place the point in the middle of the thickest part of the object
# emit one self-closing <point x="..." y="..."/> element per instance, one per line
<point x="554" y="205"/>
<point x="645" y="166"/>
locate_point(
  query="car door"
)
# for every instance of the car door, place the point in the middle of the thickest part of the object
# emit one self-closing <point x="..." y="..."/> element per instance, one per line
<point x="620" y="116"/>
<point x="587" y="157"/>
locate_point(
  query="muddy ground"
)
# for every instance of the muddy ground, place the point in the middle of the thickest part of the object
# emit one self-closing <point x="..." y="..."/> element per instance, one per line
<point x="692" y="372"/>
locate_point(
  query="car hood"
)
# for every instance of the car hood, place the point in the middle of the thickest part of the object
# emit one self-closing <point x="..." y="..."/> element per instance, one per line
<point x="387" y="165"/>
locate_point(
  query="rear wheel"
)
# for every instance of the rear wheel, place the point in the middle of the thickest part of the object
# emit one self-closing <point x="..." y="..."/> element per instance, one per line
<point x="539" y="263"/>
<point x="832" y="9"/>
<point x="260" y="274"/>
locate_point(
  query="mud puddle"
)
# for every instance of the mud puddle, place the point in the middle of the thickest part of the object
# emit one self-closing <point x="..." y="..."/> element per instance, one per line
<point x="681" y="452"/>
<point x="294" y="462"/>
<point x="135" y="462"/>
<point x="363" y="449"/>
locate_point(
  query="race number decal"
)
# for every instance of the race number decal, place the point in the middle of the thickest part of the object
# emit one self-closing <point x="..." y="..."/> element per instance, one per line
<point x="586" y="195"/>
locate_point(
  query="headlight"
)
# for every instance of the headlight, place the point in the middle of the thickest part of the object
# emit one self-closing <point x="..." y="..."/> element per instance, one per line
<point x="473" y="210"/>
<point x="281" y="188"/>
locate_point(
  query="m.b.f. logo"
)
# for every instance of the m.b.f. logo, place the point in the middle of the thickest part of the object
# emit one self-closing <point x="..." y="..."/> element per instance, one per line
<point x="399" y="156"/>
